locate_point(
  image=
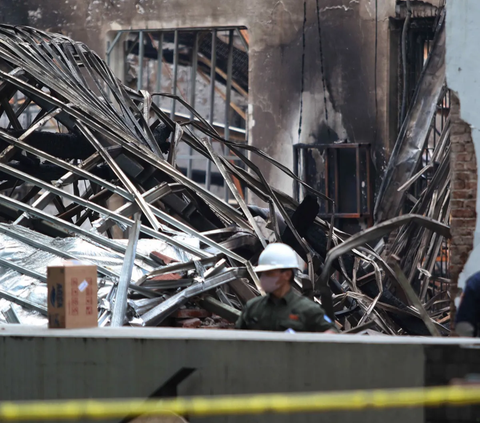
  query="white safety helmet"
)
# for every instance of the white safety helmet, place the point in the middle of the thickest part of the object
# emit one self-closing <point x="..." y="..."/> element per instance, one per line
<point x="277" y="256"/>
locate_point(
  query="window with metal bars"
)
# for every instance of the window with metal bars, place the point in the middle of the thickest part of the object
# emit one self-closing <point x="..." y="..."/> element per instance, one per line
<point x="207" y="68"/>
<point x="343" y="172"/>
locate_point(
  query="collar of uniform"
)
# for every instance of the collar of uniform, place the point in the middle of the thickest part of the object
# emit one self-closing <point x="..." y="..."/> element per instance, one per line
<point x="286" y="299"/>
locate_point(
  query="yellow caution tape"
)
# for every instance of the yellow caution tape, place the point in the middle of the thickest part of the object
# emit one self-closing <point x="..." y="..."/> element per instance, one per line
<point x="243" y="404"/>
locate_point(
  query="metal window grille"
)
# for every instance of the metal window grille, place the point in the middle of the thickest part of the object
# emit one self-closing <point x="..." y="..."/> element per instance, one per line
<point x="207" y="68"/>
<point x="341" y="171"/>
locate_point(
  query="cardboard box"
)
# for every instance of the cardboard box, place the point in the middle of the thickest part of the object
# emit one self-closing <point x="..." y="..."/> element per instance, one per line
<point x="72" y="295"/>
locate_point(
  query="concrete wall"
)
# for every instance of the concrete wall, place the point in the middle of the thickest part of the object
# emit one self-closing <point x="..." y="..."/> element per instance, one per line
<point x="462" y="77"/>
<point x="339" y="103"/>
<point x="116" y="363"/>
<point x="40" y="364"/>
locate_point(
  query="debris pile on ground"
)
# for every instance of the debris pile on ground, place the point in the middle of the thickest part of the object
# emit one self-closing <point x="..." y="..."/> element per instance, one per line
<point x="188" y="258"/>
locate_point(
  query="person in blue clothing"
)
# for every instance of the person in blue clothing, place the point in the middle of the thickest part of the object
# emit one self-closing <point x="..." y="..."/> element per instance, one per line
<point x="467" y="321"/>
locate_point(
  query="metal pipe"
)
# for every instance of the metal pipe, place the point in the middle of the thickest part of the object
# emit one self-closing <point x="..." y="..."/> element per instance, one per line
<point x="193" y="78"/>
<point x="175" y="75"/>
<point x="327" y="179"/>
<point x="120" y="304"/>
<point x="300" y="173"/>
<point x="141" y="51"/>
<point x="359" y="186"/>
<point x="304" y="174"/>
<point x="228" y="94"/>
<point x="406" y="26"/>
<point x="296" y="186"/>
<point x="213" y="65"/>
<point x="111" y="46"/>
<point x="24" y="303"/>
<point x="23" y="270"/>
<point x="108" y="54"/>
<point x="335" y="160"/>
<point x="159" y="67"/>
<point x="369" y="192"/>
<point x="125" y="59"/>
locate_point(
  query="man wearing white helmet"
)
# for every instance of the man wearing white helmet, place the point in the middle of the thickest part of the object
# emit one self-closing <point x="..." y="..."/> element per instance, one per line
<point x="282" y="309"/>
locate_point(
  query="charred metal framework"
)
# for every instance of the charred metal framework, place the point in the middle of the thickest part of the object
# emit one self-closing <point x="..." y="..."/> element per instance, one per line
<point x="420" y="42"/>
<point x="90" y="138"/>
<point x="436" y="149"/>
<point x="418" y="177"/>
<point x="208" y="68"/>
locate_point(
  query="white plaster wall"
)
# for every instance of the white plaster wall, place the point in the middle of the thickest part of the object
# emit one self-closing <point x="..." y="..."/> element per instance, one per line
<point x="463" y="77"/>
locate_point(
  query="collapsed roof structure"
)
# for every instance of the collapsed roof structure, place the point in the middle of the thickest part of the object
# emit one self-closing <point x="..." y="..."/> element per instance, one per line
<point x="189" y="254"/>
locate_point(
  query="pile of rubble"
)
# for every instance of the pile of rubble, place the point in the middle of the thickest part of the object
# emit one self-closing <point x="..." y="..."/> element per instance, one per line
<point x="188" y="258"/>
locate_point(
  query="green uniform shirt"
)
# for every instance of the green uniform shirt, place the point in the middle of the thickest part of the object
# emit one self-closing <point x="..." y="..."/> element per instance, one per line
<point x="279" y="314"/>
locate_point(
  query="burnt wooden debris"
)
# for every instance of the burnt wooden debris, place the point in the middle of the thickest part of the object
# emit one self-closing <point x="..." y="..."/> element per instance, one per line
<point x="97" y="157"/>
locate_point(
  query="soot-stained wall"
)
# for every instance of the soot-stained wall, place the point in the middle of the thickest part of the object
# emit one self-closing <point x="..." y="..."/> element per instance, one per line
<point x="291" y="41"/>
